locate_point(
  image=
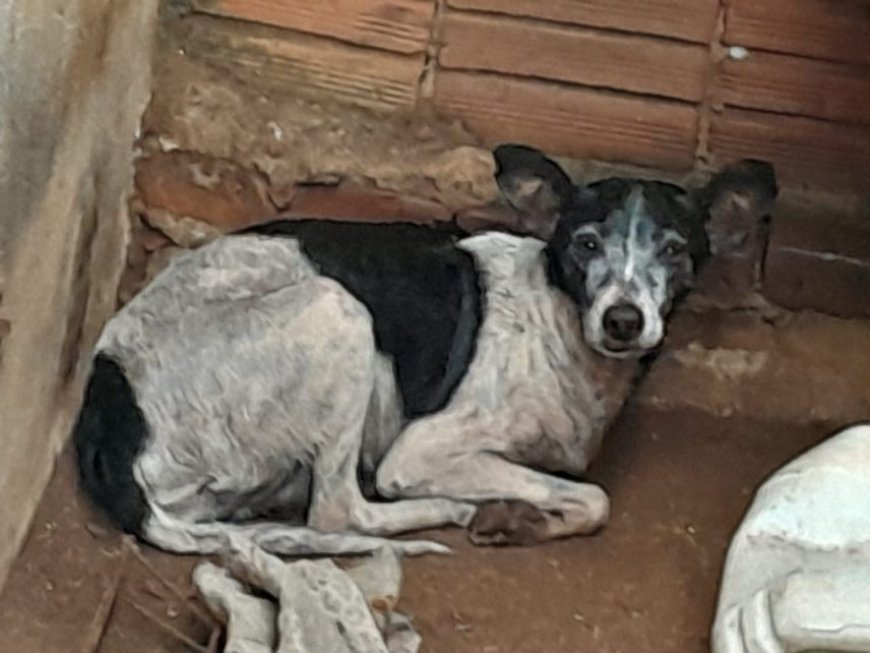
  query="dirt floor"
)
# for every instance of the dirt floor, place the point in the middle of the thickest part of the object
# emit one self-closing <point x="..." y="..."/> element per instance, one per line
<point x="680" y="466"/>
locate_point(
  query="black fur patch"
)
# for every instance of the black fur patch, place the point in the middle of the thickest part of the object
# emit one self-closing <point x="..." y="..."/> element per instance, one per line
<point x="421" y="290"/>
<point x="108" y="436"/>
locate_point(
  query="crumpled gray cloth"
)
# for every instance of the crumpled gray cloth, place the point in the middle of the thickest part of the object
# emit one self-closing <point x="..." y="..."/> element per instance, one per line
<point x="310" y="606"/>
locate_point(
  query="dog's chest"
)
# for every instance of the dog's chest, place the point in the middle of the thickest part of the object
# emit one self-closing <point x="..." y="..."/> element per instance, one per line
<point x="550" y="396"/>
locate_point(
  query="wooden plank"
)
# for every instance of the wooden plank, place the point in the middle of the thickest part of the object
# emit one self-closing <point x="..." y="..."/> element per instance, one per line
<point x="396" y="25"/>
<point x="572" y="121"/>
<point x="309" y="64"/>
<point x="804" y="151"/>
<point x="691" y="21"/>
<point x="796" y="85"/>
<point x="838" y="30"/>
<point x="618" y="61"/>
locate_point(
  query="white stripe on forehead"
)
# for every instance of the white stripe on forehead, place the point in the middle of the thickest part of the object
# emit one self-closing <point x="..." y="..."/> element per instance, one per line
<point x="635" y="211"/>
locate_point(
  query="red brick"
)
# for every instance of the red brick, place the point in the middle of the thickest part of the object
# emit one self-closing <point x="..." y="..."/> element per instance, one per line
<point x="697" y="19"/>
<point x="819" y="154"/>
<point x="611" y="60"/>
<point x="817" y="29"/>
<point x="310" y="65"/>
<point x="396" y="25"/>
<point x="218" y="192"/>
<point x="820" y="265"/>
<point x="364" y="205"/>
<point x="796" y="85"/>
<point x="614" y="127"/>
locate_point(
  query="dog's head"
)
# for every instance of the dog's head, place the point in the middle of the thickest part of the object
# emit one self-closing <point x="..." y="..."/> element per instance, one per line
<point x="623" y="249"/>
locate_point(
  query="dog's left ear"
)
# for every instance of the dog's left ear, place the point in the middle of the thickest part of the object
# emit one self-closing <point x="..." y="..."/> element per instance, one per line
<point x="535" y="186"/>
<point x="735" y="203"/>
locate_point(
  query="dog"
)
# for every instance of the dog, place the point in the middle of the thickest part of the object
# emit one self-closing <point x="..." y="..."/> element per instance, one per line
<point x="320" y="386"/>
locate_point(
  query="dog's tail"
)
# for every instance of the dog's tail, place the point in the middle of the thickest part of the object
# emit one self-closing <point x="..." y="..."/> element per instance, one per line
<point x="108" y="436"/>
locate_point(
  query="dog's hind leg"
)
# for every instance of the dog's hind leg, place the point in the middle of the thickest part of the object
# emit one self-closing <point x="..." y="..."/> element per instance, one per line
<point x="337" y="502"/>
<point x="196" y="482"/>
<point x="205" y="538"/>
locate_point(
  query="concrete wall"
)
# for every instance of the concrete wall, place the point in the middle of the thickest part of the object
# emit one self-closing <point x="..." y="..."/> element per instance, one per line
<point x="75" y="80"/>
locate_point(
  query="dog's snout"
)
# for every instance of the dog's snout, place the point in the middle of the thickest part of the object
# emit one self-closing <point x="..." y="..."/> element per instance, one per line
<point x="623" y="323"/>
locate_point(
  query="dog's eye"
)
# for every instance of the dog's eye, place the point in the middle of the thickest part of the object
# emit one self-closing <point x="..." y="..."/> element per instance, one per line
<point x="589" y="243"/>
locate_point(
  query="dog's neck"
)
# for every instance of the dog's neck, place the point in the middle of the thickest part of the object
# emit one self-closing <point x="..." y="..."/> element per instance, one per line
<point x="563" y="394"/>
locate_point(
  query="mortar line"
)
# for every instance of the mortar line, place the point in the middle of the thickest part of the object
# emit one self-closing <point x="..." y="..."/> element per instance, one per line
<point x="426" y="81"/>
<point x="710" y="104"/>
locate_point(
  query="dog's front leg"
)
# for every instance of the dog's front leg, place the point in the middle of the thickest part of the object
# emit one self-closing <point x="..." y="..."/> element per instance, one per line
<point x="518" y="505"/>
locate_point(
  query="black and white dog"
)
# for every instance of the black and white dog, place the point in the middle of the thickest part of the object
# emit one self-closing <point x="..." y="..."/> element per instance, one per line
<point x="317" y="386"/>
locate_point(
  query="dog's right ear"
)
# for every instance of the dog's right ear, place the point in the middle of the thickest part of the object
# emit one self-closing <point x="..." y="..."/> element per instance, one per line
<point x="536" y="187"/>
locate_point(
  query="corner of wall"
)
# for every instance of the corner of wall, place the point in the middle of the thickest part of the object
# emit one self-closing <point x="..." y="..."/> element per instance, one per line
<point x="79" y="80"/>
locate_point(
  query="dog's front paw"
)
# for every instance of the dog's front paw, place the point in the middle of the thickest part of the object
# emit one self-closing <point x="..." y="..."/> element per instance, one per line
<point x="509" y="523"/>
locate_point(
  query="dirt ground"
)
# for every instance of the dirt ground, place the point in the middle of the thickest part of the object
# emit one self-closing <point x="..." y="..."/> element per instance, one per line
<point x="679" y="482"/>
<point x="680" y="474"/>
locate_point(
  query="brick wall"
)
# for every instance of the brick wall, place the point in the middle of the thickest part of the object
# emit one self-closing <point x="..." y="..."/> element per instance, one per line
<point x="646" y="82"/>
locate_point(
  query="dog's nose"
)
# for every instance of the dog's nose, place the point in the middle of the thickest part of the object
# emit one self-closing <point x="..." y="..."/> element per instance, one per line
<point x="623" y="323"/>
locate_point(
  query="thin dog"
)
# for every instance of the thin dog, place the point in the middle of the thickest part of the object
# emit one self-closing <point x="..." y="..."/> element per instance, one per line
<point x="318" y="386"/>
